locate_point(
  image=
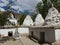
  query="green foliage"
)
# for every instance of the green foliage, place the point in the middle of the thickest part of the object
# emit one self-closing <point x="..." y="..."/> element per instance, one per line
<point x="43" y="7"/>
<point x="56" y="4"/>
<point x="3" y="19"/>
<point x="21" y="19"/>
<point x="33" y="17"/>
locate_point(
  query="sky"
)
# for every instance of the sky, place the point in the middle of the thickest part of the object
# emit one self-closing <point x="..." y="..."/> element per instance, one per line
<point x="21" y="4"/>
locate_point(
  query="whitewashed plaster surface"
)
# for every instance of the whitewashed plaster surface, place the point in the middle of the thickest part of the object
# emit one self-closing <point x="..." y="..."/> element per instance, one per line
<point x="57" y="34"/>
<point x="53" y="17"/>
<point x="28" y="21"/>
<point x="20" y="30"/>
<point x="39" y="20"/>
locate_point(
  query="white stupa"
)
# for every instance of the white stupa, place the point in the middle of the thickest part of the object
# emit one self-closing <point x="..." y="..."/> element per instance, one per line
<point x="52" y="17"/>
<point x="28" y="21"/>
<point x="12" y="20"/>
<point x="39" y="21"/>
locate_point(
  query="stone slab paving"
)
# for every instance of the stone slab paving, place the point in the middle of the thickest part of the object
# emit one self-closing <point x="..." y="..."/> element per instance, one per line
<point x="27" y="41"/>
<point x="23" y="41"/>
<point x="56" y="43"/>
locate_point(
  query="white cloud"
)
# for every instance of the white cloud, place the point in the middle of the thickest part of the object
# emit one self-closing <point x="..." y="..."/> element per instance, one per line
<point x="1" y="9"/>
<point x="27" y="4"/>
<point x="24" y="4"/>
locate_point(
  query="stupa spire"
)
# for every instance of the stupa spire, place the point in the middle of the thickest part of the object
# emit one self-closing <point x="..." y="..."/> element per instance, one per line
<point x="52" y="5"/>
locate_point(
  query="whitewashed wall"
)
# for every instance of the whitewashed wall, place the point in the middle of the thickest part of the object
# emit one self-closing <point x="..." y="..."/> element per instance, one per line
<point x="57" y="34"/>
<point x="20" y="30"/>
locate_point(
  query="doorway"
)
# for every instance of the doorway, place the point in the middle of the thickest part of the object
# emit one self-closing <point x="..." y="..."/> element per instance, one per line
<point x="32" y="34"/>
<point x="10" y="33"/>
<point x="42" y="37"/>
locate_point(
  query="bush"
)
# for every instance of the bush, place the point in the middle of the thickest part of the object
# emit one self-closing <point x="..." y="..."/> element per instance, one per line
<point x="21" y="19"/>
<point x="3" y="19"/>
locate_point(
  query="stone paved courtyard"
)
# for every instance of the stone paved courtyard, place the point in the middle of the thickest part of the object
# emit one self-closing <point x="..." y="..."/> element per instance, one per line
<point x="23" y="41"/>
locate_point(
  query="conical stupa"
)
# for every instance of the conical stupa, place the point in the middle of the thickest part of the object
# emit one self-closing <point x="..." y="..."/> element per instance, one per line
<point x="12" y="20"/>
<point x="28" y="21"/>
<point x="39" y="21"/>
<point x="52" y="17"/>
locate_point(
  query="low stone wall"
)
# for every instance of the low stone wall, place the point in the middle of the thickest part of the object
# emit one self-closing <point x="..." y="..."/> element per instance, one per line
<point x="21" y="30"/>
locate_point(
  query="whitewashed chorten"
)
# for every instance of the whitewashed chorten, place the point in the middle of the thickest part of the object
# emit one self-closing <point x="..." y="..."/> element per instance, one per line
<point x="12" y="20"/>
<point x="53" y="17"/>
<point x="28" y="21"/>
<point x="39" y="21"/>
